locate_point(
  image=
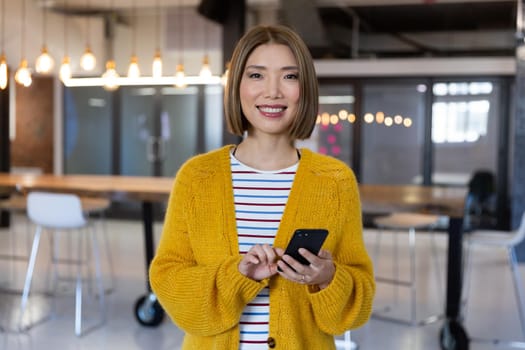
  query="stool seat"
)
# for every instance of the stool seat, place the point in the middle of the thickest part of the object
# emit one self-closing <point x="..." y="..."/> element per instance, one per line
<point x="89" y="204"/>
<point x="405" y="221"/>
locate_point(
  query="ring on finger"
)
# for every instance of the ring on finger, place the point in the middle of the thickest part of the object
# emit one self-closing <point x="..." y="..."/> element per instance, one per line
<point x="303" y="278"/>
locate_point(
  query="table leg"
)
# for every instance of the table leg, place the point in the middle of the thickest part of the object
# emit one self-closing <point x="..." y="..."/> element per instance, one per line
<point x="453" y="335"/>
<point x="148" y="311"/>
<point x="149" y="249"/>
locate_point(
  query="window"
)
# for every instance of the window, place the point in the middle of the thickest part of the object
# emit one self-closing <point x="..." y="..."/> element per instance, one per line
<point x="461" y="111"/>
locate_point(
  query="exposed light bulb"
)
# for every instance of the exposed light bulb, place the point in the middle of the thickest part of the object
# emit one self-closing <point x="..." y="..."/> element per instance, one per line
<point x="44" y="63"/>
<point x="180" y="76"/>
<point x="23" y="74"/>
<point x="110" y="76"/>
<point x="3" y="72"/>
<point x="133" y="69"/>
<point x="205" y="69"/>
<point x="224" y="77"/>
<point x="157" y="65"/>
<point x="65" y="69"/>
<point x="88" y="60"/>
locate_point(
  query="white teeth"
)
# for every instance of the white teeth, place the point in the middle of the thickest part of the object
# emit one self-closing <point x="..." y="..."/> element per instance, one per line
<point x="271" y="109"/>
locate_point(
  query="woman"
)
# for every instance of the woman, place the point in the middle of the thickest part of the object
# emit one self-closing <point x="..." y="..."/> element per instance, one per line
<point x="220" y="271"/>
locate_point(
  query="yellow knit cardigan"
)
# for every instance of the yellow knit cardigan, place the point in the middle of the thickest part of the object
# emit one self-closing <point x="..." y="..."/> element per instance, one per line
<point x="194" y="273"/>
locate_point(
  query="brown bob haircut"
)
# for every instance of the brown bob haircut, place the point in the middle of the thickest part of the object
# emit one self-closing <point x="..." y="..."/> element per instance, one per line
<point x="307" y="110"/>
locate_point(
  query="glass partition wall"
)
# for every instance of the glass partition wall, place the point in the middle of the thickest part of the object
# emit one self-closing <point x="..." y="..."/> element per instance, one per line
<point x="393" y="132"/>
<point x="142" y="131"/>
<point x="414" y="131"/>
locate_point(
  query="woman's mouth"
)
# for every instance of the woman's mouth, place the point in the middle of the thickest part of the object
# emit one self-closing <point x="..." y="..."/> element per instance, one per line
<point x="271" y="111"/>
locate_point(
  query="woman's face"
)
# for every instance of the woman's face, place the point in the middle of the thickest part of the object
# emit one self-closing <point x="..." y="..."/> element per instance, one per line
<point x="269" y="90"/>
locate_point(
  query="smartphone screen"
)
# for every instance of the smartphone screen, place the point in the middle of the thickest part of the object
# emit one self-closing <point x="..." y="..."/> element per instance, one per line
<point x="310" y="239"/>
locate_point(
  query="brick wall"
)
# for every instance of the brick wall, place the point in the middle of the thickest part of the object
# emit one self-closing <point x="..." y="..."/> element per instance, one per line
<point x="33" y="144"/>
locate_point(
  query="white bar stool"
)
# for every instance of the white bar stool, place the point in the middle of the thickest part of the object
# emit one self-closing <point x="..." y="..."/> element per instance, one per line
<point x="63" y="212"/>
<point x="508" y="241"/>
<point x="409" y="222"/>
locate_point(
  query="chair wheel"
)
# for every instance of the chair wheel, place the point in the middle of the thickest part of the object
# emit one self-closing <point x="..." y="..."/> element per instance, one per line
<point x="453" y="336"/>
<point x="148" y="311"/>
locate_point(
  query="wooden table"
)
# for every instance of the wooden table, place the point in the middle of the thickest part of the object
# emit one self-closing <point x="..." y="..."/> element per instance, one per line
<point x="391" y="198"/>
<point x="143" y="188"/>
<point x="147" y="190"/>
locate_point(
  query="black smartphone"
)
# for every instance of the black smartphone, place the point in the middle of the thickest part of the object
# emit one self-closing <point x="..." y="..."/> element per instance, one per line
<point x="309" y="238"/>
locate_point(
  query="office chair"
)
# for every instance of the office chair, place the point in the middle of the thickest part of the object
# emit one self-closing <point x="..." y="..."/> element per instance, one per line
<point x="509" y="241"/>
<point x="407" y="222"/>
<point x="480" y="203"/>
<point x="56" y="212"/>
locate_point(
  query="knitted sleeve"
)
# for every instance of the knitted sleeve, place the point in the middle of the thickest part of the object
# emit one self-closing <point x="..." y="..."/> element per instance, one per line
<point x="347" y="302"/>
<point x="202" y="299"/>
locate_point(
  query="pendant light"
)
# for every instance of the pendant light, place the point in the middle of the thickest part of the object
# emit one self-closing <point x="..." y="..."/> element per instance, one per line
<point x="179" y="73"/>
<point x="65" y="68"/>
<point x="205" y="71"/>
<point x="224" y="77"/>
<point x="23" y="74"/>
<point x="4" y="73"/>
<point x="133" y="69"/>
<point x="88" y="60"/>
<point x="44" y="63"/>
<point x="156" y="69"/>
<point x="111" y="76"/>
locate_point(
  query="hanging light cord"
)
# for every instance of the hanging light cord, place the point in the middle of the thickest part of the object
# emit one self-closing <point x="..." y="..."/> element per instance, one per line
<point x="157" y="29"/>
<point x="3" y="25"/>
<point x="181" y="34"/>
<point x="134" y="34"/>
<point x="205" y="36"/>
<point x="88" y="24"/>
<point x="112" y="31"/>
<point x="65" y="28"/>
<point x="44" y="27"/>
<point x="22" y="30"/>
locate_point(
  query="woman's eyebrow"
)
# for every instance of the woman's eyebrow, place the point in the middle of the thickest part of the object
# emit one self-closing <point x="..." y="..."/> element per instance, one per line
<point x="255" y="66"/>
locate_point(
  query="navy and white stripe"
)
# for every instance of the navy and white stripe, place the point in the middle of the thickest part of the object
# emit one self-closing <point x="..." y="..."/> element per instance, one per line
<point x="260" y="198"/>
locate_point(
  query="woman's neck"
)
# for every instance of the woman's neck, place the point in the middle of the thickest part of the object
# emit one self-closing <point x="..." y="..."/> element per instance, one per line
<point x="267" y="156"/>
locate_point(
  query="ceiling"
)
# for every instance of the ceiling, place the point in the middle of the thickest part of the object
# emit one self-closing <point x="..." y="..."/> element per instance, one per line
<point x="369" y="28"/>
<point x="422" y="29"/>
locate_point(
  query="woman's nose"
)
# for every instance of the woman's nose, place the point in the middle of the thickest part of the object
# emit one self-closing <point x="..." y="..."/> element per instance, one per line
<point x="273" y="89"/>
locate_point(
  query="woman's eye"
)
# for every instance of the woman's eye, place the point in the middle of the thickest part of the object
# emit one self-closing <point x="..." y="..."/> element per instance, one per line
<point x="291" y="76"/>
<point x="254" y="75"/>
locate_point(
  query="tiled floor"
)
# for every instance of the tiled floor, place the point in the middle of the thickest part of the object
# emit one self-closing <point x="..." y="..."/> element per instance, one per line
<point x="492" y="310"/>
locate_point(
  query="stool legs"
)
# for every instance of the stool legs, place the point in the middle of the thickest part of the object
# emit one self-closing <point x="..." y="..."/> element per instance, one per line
<point x="79" y="282"/>
<point x="413" y="293"/>
<point x="29" y="275"/>
<point x="410" y="283"/>
<point x="79" y="288"/>
<point x="518" y="289"/>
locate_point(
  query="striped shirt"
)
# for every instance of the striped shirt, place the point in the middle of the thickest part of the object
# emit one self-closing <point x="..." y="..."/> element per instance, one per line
<point x="260" y="198"/>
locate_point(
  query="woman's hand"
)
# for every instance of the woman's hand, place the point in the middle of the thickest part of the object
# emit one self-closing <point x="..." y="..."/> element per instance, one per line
<point x="259" y="262"/>
<point x="320" y="272"/>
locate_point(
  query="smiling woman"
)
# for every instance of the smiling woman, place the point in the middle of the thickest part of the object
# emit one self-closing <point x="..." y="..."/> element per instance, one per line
<point x="221" y="272"/>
